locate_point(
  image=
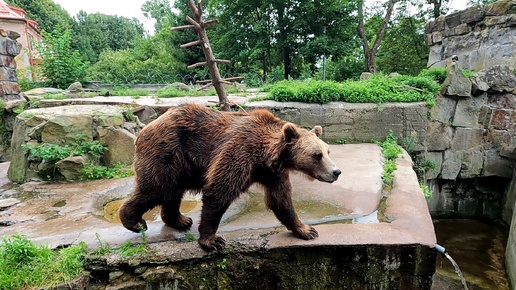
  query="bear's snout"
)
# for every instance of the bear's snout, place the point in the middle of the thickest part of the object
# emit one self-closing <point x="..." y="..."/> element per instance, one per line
<point x="337" y="172"/>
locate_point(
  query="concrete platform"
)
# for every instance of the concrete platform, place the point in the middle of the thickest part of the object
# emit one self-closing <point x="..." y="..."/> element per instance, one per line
<point x="354" y="218"/>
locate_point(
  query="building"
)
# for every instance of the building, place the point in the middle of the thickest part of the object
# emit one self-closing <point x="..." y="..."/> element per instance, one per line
<point x="15" y="19"/>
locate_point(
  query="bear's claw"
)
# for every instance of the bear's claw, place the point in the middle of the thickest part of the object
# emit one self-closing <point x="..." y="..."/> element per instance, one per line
<point x="307" y="233"/>
<point x="212" y="243"/>
<point x="183" y="223"/>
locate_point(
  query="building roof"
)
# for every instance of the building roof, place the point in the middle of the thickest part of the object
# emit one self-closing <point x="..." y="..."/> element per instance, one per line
<point x="11" y="12"/>
<point x="7" y="11"/>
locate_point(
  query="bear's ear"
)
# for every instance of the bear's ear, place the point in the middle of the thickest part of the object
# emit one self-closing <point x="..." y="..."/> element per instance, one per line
<point x="290" y="132"/>
<point x="317" y="130"/>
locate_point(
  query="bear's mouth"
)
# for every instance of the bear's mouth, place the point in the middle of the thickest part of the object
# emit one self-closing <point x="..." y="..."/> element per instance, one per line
<point x="328" y="178"/>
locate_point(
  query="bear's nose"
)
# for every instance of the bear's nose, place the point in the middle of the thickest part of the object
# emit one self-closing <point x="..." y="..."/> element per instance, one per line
<point x="337" y="172"/>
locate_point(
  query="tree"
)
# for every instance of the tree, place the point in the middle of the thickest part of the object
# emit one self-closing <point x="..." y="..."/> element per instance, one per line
<point x="160" y="10"/>
<point x="371" y="50"/>
<point x="404" y="50"/>
<point x="61" y="65"/>
<point x="97" y="32"/>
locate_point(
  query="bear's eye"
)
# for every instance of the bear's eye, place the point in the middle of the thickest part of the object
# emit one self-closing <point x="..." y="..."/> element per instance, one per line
<point x="317" y="156"/>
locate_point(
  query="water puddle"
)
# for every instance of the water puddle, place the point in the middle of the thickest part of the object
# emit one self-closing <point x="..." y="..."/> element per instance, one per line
<point x="60" y="203"/>
<point x="15" y="191"/>
<point x="111" y="210"/>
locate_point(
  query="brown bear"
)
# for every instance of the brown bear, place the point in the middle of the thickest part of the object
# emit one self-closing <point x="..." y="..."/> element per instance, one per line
<point x="220" y="154"/>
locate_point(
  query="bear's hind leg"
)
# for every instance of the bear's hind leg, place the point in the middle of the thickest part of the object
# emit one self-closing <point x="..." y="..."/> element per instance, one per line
<point x="171" y="215"/>
<point x="132" y="210"/>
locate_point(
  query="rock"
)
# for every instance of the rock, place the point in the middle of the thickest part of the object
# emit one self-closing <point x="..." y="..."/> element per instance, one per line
<point x="180" y="86"/>
<point x="71" y="167"/>
<point x="500" y="78"/>
<point x="120" y="143"/>
<point x="451" y="165"/>
<point x="7" y="203"/>
<point x="456" y="83"/>
<point x="75" y="87"/>
<point x="479" y="84"/>
<point x="436" y="157"/>
<point x="466" y="138"/>
<point x="61" y="126"/>
<point x="443" y="110"/>
<point x="439" y="136"/>
<point x="468" y="207"/>
<point x="467" y="111"/>
<point x="366" y="75"/>
<point x="13" y="34"/>
<point x="495" y="165"/>
<point x="500" y="7"/>
<point x="472" y="162"/>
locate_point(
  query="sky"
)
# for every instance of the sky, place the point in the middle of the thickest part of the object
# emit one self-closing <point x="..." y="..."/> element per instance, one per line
<point x="132" y="8"/>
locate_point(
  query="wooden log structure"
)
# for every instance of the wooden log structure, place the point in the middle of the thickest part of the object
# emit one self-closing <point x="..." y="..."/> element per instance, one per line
<point x="199" y="25"/>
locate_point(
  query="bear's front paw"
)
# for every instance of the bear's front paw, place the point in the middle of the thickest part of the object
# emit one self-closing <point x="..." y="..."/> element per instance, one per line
<point x="135" y="226"/>
<point x="306" y="232"/>
<point x="212" y="243"/>
<point x="181" y="223"/>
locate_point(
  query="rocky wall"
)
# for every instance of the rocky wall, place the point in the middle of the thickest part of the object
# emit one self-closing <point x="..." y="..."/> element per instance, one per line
<point x="9" y="89"/>
<point x="481" y="36"/>
<point x="472" y="142"/>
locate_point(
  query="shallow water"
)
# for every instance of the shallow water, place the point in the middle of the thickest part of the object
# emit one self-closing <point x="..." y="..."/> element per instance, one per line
<point x="479" y="250"/>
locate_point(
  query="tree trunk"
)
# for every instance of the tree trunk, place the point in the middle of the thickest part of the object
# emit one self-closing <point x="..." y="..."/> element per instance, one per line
<point x="370" y="52"/>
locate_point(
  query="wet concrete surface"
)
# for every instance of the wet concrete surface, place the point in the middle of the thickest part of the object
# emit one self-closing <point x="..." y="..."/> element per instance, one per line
<point x="479" y="250"/>
<point x="66" y="213"/>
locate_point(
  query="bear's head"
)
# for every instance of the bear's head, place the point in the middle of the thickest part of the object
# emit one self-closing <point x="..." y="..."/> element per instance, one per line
<point x="309" y="154"/>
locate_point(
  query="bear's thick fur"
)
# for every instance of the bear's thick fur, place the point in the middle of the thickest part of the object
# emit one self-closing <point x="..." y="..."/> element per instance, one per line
<point x="221" y="154"/>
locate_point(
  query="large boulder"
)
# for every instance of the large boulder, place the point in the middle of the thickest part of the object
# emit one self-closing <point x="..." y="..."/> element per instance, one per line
<point x="63" y="126"/>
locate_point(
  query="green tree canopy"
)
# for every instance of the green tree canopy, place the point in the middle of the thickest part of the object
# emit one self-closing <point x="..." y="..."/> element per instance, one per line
<point x="97" y="32"/>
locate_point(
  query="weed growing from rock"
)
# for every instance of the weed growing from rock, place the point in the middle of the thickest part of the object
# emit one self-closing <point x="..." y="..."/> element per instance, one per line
<point x="390" y="151"/>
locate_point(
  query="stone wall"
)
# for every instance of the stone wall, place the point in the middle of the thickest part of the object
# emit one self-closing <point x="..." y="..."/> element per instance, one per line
<point x="345" y="122"/>
<point x="472" y="142"/>
<point x="9" y="89"/>
<point x="481" y="36"/>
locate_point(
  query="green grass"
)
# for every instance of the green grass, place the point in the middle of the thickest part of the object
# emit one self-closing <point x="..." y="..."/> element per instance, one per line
<point x="122" y="91"/>
<point x="25" y="265"/>
<point x="426" y="191"/>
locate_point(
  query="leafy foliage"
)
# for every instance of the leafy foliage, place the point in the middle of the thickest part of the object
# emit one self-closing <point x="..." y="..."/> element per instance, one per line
<point x="61" y="65"/>
<point x="378" y="89"/>
<point x="24" y="265"/>
<point x="55" y="152"/>
<point x="390" y="151"/>
<point x="94" y="171"/>
<point x="47" y="13"/>
<point x="97" y="32"/>
<point x="426" y="191"/>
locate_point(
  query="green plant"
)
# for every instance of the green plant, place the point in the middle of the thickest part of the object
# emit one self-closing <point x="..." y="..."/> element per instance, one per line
<point x="34" y="103"/>
<point x="130" y="92"/>
<point x="25" y="265"/>
<point x="426" y="191"/>
<point x="223" y="264"/>
<point x="61" y="65"/>
<point x="129" y="115"/>
<point x="377" y="89"/>
<point x="190" y="237"/>
<point x="429" y="165"/>
<point x="55" y="152"/>
<point x="437" y="74"/>
<point x="94" y="171"/>
<point x="103" y="248"/>
<point x="130" y="249"/>
<point x="2" y="107"/>
<point x="54" y="96"/>
<point x="20" y="107"/>
<point x="467" y="73"/>
<point x="341" y="141"/>
<point x="390" y="151"/>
